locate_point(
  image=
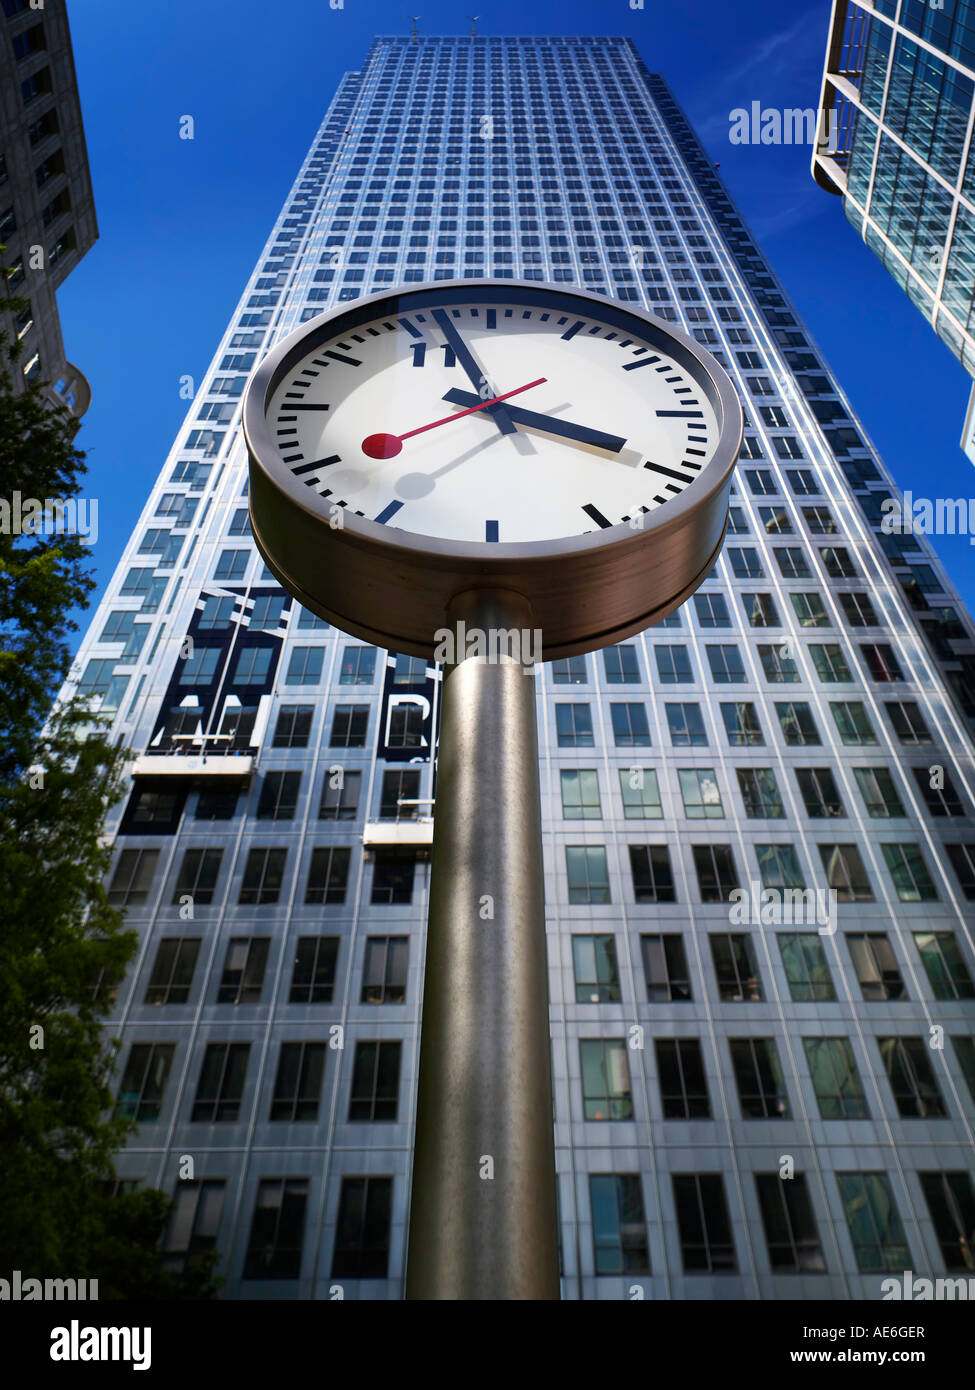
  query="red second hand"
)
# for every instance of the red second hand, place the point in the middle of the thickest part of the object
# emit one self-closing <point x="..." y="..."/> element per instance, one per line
<point x="387" y="446"/>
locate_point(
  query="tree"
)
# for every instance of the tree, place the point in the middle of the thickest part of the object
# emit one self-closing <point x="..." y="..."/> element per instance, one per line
<point x="63" y="947"/>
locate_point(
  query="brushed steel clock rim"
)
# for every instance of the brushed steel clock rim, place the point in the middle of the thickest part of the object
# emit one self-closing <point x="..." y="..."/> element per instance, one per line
<point x="488" y="556"/>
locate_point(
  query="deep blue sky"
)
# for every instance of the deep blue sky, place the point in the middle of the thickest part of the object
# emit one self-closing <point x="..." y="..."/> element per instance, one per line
<point x="183" y="222"/>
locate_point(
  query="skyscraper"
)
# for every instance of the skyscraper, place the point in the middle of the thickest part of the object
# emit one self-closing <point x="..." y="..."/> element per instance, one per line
<point x="47" y="210"/>
<point x="901" y="77"/>
<point x="759" y="1092"/>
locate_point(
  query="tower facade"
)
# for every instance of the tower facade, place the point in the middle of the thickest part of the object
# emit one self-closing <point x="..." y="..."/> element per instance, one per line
<point x="759" y="850"/>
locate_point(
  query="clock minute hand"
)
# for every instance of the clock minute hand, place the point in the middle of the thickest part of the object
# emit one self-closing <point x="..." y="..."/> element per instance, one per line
<point x="550" y="423"/>
<point x="468" y="361"/>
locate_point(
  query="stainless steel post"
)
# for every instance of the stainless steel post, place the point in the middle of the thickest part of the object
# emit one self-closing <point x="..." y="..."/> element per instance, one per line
<point x="483" y="1221"/>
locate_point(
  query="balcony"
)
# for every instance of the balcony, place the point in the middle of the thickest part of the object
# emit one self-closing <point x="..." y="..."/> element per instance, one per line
<point x="406" y="830"/>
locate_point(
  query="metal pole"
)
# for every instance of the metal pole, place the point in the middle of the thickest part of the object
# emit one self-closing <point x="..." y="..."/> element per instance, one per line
<point x="483" y="1220"/>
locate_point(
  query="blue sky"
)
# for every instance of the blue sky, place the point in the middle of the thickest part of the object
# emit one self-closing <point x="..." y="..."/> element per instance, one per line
<point x="183" y="222"/>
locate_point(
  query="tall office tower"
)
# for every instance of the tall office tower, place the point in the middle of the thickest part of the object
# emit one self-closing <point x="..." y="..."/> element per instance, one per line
<point x="753" y="1100"/>
<point x="901" y="76"/>
<point x="47" y="209"/>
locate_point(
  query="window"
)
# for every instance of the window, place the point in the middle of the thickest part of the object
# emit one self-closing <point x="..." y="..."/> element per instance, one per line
<point x="197" y="877"/>
<point x="909" y="873"/>
<point x="665" y="968"/>
<point x="363" y="1228"/>
<point x="253" y="666"/>
<point x="172" y="972"/>
<point x="409" y="670"/>
<point x="745" y="563"/>
<point x="878" y="1237"/>
<point x="574" y="725"/>
<point x="192" y="1233"/>
<point x="569" y="671"/>
<point x="835" y="1079"/>
<point x="760" y="793"/>
<point x="358" y="666"/>
<point x="384" y="970"/>
<point x="683" y="1087"/>
<point x="805" y="965"/>
<point x="673" y="665"/>
<point x="845" y="873"/>
<point x="907" y="721"/>
<point x="951" y="1203"/>
<point x="761" y="1089"/>
<point x="760" y="610"/>
<point x="619" y="1230"/>
<point x="829" y="662"/>
<point x="279" y="796"/>
<point x="400" y="794"/>
<point x="620" y="664"/>
<point x="809" y="610"/>
<point x="938" y="791"/>
<point x="703" y="1224"/>
<point x="963" y="862"/>
<point x="686" y="726"/>
<point x="837" y="563"/>
<point x="791" y="562"/>
<point x="853" y="722"/>
<point x="298" y="1084"/>
<point x="946" y="970"/>
<point x="243" y="971"/>
<point x="726" y="665"/>
<point x="375" y="1082"/>
<point x="313" y="972"/>
<point x="797" y="724"/>
<point x="653" y="879"/>
<point x="133" y="876"/>
<point x="293" y="727"/>
<point x="263" y="875"/>
<point x="144" y="1081"/>
<point x="876" y="966"/>
<point x="231" y="565"/>
<point x="630" y="727"/>
<point x="778" y="663"/>
<point x="712" y="610"/>
<point x="200" y="667"/>
<point x="587" y="873"/>
<point x="858" y="610"/>
<point x="880" y="661"/>
<point x="392" y="878"/>
<point x="305" y="666"/>
<point x="580" y="794"/>
<point x="789" y="1225"/>
<point x="912" y="1080"/>
<point x="340" y="795"/>
<point x="818" y="791"/>
<point x="761" y="482"/>
<point x="640" y="793"/>
<point x="775" y="521"/>
<point x="819" y="520"/>
<point x="735" y="968"/>
<point x="328" y="875"/>
<point x="699" y="790"/>
<point x="605" y="1079"/>
<point x="965" y="1052"/>
<point x="349" y="724"/>
<point x="597" y="977"/>
<point x="277" y="1228"/>
<point x="221" y="1083"/>
<point x="879" y="792"/>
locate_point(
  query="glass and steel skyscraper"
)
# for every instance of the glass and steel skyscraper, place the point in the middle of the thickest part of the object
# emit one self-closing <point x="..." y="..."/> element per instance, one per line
<point x="901" y="76"/>
<point x="754" y="1099"/>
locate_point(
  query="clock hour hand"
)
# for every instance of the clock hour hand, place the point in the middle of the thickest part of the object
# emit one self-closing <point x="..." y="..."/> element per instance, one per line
<point x="550" y="423"/>
<point x="468" y="361"/>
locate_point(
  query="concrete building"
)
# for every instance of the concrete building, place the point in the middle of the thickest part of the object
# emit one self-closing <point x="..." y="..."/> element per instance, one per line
<point x="754" y="1099"/>
<point x="47" y="209"/>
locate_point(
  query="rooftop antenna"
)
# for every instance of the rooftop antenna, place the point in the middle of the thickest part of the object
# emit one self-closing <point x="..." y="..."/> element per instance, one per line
<point x="473" y="19"/>
<point x="414" y="31"/>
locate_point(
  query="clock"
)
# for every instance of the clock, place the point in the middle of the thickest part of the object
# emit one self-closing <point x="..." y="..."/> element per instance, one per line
<point x="406" y="447"/>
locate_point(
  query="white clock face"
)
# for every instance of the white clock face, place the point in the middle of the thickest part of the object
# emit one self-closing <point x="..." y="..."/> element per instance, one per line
<point x="494" y="420"/>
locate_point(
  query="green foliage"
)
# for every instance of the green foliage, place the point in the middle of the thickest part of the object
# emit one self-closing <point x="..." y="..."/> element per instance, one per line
<point x="63" y="947"/>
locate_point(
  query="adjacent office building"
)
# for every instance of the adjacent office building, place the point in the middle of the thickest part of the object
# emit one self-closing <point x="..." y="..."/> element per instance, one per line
<point x="754" y="1099"/>
<point x="47" y="210"/>
<point x="900" y="75"/>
